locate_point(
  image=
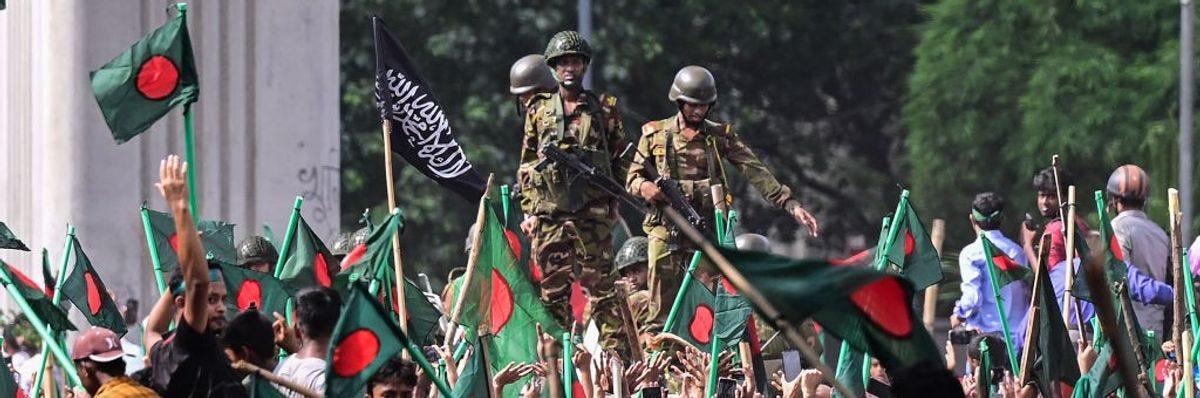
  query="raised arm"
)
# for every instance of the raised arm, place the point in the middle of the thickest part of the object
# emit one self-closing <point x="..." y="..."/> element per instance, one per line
<point x="173" y="186"/>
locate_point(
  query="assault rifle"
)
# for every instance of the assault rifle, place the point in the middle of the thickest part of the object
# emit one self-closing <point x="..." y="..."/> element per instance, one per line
<point x="573" y="168"/>
<point x="674" y="194"/>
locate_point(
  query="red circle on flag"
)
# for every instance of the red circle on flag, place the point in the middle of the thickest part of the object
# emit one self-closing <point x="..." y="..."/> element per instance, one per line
<point x="910" y="243"/>
<point x="157" y="78"/>
<point x="514" y="243"/>
<point x="355" y="352"/>
<point x="883" y="303"/>
<point x="250" y="292"/>
<point x="502" y="302"/>
<point x="1116" y="249"/>
<point x="321" y="269"/>
<point x="702" y="324"/>
<point x="93" y="293"/>
<point x="354" y="256"/>
<point x="174" y="241"/>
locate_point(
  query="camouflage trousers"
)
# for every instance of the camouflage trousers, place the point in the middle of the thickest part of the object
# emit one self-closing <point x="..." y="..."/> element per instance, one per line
<point x="570" y="248"/>
<point x="667" y="269"/>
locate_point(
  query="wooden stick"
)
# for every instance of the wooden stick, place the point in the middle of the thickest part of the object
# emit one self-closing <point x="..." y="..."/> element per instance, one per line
<point x="1178" y="269"/>
<point x="271" y="377"/>
<point x="401" y="305"/>
<point x="1069" y="296"/>
<point x="1031" y="328"/>
<point x="1189" y="383"/>
<point x="472" y="262"/>
<point x="937" y="235"/>
<point x="628" y="324"/>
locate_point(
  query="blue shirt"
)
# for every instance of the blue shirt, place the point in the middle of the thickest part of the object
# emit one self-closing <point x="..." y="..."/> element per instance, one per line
<point x="977" y="306"/>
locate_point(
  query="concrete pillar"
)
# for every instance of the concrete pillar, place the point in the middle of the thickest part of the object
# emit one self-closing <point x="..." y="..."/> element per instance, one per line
<point x="267" y="126"/>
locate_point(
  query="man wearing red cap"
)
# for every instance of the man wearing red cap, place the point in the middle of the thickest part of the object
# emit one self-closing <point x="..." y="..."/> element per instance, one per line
<point x="98" y="357"/>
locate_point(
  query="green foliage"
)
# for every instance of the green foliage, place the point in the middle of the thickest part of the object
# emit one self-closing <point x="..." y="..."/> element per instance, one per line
<point x="1000" y="86"/>
<point x="813" y="86"/>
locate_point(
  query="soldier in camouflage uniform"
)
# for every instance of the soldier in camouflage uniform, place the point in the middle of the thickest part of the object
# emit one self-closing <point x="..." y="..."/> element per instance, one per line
<point x="691" y="149"/>
<point x="570" y="221"/>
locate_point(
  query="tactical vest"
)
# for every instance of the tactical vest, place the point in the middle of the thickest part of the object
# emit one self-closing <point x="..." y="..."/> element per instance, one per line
<point x="552" y="190"/>
<point x="662" y="148"/>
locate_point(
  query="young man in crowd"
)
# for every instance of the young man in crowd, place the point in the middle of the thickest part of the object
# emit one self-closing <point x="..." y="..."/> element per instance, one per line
<point x="976" y="309"/>
<point x="1143" y="243"/>
<point x="188" y="361"/>
<point x="98" y="359"/>
<point x="250" y="338"/>
<point x="396" y="379"/>
<point x="317" y="311"/>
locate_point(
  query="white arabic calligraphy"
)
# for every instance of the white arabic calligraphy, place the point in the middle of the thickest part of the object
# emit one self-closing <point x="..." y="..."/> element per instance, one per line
<point x="424" y="126"/>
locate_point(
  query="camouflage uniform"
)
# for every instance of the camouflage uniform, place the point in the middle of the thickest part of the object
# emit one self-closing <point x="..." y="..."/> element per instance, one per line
<point x="696" y="164"/>
<point x="575" y="220"/>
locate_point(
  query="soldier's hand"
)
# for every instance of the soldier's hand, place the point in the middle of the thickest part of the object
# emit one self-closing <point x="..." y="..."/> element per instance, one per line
<point x="172" y="174"/>
<point x="650" y="192"/>
<point x="806" y="219"/>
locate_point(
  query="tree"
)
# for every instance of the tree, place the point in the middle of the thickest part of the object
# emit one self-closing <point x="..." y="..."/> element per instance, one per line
<point x="1000" y="86"/>
<point x="813" y="86"/>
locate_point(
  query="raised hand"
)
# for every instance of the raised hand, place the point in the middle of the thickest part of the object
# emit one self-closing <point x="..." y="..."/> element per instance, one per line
<point x="172" y="176"/>
<point x="510" y="374"/>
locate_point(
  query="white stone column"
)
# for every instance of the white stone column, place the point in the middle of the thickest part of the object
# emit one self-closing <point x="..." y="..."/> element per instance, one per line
<point x="267" y="126"/>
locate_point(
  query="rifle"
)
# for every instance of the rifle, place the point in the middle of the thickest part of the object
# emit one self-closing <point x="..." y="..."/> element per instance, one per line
<point x="674" y="195"/>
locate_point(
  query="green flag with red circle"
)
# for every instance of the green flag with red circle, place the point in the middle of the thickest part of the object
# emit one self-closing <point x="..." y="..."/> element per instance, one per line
<point x="309" y="263"/>
<point x="85" y="289"/>
<point x="216" y="236"/>
<point x="912" y="251"/>
<point x="150" y="78"/>
<point x="363" y="341"/>
<point x="247" y="287"/>
<point x="1004" y="267"/>
<point x="702" y="312"/>
<point x="42" y="306"/>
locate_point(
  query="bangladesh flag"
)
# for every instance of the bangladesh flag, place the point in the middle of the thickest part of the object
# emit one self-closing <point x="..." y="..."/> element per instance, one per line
<point x="701" y="311"/>
<point x="1114" y="259"/>
<point x="85" y="289"/>
<point x="43" y="307"/>
<point x="473" y="381"/>
<point x="513" y="307"/>
<point x="363" y="341"/>
<point x="261" y="388"/>
<point x="1054" y="368"/>
<point x="912" y="251"/>
<point x="146" y="81"/>
<point x="423" y="317"/>
<point x="47" y="276"/>
<point x="309" y="263"/>
<point x="367" y="258"/>
<point x="216" y="236"/>
<point x="9" y="241"/>
<point x="248" y="287"/>
<point x="1004" y="268"/>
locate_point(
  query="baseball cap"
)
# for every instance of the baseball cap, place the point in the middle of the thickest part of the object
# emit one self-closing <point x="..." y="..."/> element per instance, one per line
<point x="97" y="344"/>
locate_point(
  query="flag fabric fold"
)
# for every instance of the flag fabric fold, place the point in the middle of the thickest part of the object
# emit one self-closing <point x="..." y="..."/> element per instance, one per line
<point x="912" y="251"/>
<point x="216" y="236"/>
<point x="1054" y="369"/>
<point x="8" y="240"/>
<point x="153" y="76"/>
<point x="54" y="316"/>
<point x="247" y="287"/>
<point x="85" y="289"/>
<point x="421" y="132"/>
<point x="309" y="262"/>
<point x="1005" y="268"/>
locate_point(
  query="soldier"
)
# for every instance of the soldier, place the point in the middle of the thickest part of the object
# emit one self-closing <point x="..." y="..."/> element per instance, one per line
<point x="529" y="76"/>
<point x="690" y="148"/>
<point x="570" y="221"/>
<point x="257" y="253"/>
<point x="631" y="263"/>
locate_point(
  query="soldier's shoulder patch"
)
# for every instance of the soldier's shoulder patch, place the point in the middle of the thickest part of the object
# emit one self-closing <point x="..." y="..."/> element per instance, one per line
<point x="659" y="151"/>
<point x="649" y="128"/>
<point x="608" y="100"/>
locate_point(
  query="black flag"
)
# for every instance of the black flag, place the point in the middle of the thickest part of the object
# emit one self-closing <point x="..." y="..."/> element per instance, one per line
<point x="420" y="131"/>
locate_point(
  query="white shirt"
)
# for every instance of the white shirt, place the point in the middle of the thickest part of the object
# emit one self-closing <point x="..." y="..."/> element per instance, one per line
<point x="307" y="372"/>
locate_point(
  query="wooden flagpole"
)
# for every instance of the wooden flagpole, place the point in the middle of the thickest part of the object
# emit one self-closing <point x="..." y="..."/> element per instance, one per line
<point x="402" y="305"/>
<point x="1069" y="238"/>
<point x="472" y="263"/>
<point x="1178" y="269"/>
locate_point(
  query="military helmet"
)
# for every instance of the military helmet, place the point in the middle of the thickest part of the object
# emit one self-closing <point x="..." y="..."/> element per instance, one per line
<point x="567" y="42"/>
<point x="753" y="243"/>
<point x="256" y="249"/>
<point x="633" y="252"/>
<point x="695" y="85"/>
<point x="359" y="237"/>
<point x="341" y="245"/>
<point x="531" y="74"/>
<point x="1129" y="182"/>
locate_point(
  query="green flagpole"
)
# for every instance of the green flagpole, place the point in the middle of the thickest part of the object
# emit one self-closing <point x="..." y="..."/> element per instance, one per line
<point x="984" y="389"/>
<point x="190" y="149"/>
<point x="710" y="389"/>
<point x="60" y="355"/>
<point x="58" y="283"/>
<point x="893" y="230"/>
<point x="991" y="272"/>
<point x="504" y="201"/>
<point x="683" y="287"/>
<point x="568" y="367"/>
<point x="151" y="244"/>
<point x="423" y="362"/>
<point x="293" y="223"/>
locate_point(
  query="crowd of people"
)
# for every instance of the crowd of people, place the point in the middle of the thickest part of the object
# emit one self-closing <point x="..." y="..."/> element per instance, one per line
<point x="192" y="345"/>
